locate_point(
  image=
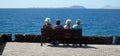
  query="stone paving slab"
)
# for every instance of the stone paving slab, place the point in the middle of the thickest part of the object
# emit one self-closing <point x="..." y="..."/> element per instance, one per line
<point x="34" y="49"/>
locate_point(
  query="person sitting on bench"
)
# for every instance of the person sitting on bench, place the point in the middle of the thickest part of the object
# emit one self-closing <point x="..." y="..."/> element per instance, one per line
<point x="58" y="27"/>
<point x="47" y="24"/>
<point x="67" y="26"/>
<point x="77" y="25"/>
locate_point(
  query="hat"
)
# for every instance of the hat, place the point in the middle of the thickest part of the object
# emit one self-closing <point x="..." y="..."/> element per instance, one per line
<point x="47" y="19"/>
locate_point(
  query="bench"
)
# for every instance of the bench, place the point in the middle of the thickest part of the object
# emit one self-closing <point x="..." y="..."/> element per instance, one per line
<point x="64" y="36"/>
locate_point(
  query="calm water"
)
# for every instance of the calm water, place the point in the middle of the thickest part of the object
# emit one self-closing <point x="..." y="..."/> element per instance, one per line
<point x="29" y="21"/>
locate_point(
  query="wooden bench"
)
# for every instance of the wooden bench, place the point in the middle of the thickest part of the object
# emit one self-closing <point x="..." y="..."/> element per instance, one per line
<point x="64" y="36"/>
<point x="46" y="34"/>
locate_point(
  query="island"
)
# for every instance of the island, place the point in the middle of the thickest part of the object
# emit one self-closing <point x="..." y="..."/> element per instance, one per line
<point x="76" y="7"/>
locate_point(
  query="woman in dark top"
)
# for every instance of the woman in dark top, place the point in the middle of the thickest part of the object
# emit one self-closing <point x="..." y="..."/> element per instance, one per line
<point x="46" y="30"/>
<point x="47" y="24"/>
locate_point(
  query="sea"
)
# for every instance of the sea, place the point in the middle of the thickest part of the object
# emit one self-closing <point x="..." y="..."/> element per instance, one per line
<point x="94" y="22"/>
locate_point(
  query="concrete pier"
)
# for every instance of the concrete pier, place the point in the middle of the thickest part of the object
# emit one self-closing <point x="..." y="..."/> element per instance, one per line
<point x="34" y="49"/>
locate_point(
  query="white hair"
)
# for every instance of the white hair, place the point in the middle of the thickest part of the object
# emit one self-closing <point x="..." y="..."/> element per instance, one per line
<point x="68" y="21"/>
<point x="47" y="19"/>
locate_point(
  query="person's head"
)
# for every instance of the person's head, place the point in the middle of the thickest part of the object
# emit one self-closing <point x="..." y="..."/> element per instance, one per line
<point x="47" y="20"/>
<point x="78" y="21"/>
<point x="57" y="22"/>
<point x="68" y="21"/>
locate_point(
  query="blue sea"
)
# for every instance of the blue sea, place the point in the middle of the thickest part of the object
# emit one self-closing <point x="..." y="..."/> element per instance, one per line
<point x="29" y="21"/>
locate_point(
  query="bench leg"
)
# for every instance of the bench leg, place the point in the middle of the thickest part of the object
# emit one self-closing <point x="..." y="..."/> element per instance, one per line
<point x="41" y="41"/>
<point x="44" y="38"/>
<point x="85" y="41"/>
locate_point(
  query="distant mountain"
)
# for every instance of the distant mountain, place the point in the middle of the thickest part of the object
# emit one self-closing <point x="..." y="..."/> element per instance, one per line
<point x="76" y="7"/>
<point x="111" y="7"/>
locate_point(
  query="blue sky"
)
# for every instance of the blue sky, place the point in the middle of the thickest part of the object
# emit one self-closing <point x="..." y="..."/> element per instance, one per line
<point x="56" y="3"/>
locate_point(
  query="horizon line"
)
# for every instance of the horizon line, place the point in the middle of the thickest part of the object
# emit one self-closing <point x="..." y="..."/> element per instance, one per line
<point x="54" y="8"/>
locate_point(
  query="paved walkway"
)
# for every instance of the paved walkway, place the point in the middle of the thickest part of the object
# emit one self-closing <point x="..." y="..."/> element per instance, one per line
<point x="34" y="49"/>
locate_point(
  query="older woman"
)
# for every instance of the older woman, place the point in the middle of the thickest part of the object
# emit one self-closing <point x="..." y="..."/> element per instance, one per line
<point x="47" y="24"/>
<point x="67" y="26"/>
<point x="77" y="25"/>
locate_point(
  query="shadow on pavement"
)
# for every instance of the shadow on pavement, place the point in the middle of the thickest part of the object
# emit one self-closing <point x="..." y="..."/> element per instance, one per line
<point x="2" y="46"/>
<point x="70" y="46"/>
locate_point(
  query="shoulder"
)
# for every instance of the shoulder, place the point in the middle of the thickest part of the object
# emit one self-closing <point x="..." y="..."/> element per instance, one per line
<point x="46" y="26"/>
<point x="64" y="26"/>
<point x="49" y="24"/>
<point x="43" y="25"/>
<point x="74" y="26"/>
<point x="59" y="26"/>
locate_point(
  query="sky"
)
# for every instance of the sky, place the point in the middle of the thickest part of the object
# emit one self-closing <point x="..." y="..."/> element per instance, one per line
<point x="57" y="3"/>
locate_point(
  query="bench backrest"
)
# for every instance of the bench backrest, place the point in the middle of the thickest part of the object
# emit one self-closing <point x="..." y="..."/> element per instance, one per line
<point x="61" y="32"/>
<point x="46" y="32"/>
<point x="58" y="33"/>
<point x="77" y="33"/>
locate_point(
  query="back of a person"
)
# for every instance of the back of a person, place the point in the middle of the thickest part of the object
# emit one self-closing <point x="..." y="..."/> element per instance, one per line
<point x="58" y="27"/>
<point x="45" y="26"/>
<point x="77" y="25"/>
<point x="67" y="26"/>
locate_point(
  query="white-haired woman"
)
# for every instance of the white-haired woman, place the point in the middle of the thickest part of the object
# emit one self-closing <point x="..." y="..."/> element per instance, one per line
<point x="47" y="24"/>
<point x="67" y="26"/>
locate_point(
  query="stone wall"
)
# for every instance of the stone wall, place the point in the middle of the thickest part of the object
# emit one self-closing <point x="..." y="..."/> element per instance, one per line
<point x="117" y="39"/>
<point x="27" y="38"/>
<point x="1" y="39"/>
<point x="5" y="38"/>
<point x="99" y="39"/>
<point x="37" y="38"/>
